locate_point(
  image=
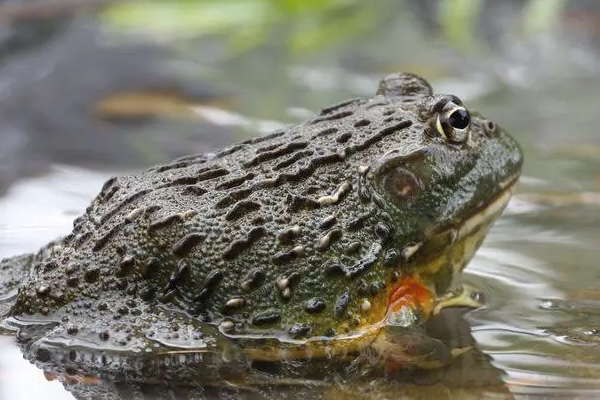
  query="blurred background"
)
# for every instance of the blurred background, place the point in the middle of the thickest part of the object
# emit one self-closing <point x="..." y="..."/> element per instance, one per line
<point x="92" y="88"/>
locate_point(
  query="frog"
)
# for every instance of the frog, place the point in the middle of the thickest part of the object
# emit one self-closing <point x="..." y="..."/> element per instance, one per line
<point x="334" y="238"/>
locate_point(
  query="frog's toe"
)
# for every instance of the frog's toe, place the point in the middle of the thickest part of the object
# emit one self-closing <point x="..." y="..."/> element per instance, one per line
<point x="459" y="351"/>
<point x="465" y="296"/>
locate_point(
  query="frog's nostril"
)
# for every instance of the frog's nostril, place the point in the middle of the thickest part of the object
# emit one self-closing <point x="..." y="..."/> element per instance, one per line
<point x="491" y="128"/>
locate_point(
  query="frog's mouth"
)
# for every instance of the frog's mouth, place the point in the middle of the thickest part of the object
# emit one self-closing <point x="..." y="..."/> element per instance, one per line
<point x="487" y="214"/>
<point x="425" y="258"/>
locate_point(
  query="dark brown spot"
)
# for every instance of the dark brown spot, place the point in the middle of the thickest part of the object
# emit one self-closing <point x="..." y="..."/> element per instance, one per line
<point x="268" y="147"/>
<point x="237" y="246"/>
<point x="376" y="287"/>
<point x="170" y="166"/>
<point x="233" y="197"/>
<point x="299" y="330"/>
<point x="292" y="159"/>
<point x="179" y="275"/>
<point x="241" y="209"/>
<point x="148" y="293"/>
<point x="150" y="268"/>
<point x="193" y="190"/>
<point x="332" y="117"/>
<point x="50" y="266"/>
<point x="362" y="266"/>
<point x="266" y="317"/>
<point x="110" y="193"/>
<point x="203" y="176"/>
<point x="341" y="303"/>
<point x="361" y="123"/>
<point x="384" y="232"/>
<point x="91" y="275"/>
<point x="235" y="182"/>
<point x="230" y="150"/>
<point x="326" y="131"/>
<point x="107" y="185"/>
<point x="103" y="240"/>
<point x="208" y="287"/>
<point x="271" y="155"/>
<point x="378" y="136"/>
<point x="285" y="256"/>
<point x="329" y="332"/>
<point x="314" y="305"/>
<point x="344" y="137"/>
<point x="187" y="243"/>
<point x="164" y="222"/>
<point x="341" y="104"/>
<point x="333" y="266"/>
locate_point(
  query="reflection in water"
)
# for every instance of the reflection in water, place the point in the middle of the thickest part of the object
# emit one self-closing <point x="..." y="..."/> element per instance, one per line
<point x="20" y="380"/>
<point x="470" y="376"/>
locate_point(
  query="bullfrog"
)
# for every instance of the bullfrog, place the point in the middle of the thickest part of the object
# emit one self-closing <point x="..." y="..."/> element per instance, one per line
<point x="334" y="238"/>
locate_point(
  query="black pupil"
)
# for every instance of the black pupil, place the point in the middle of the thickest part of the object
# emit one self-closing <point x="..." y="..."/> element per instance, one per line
<point x="459" y="119"/>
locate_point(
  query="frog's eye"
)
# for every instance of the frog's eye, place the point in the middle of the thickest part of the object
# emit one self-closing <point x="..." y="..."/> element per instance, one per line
<point x="402" y="185"/>
<point x="454" y="122"/>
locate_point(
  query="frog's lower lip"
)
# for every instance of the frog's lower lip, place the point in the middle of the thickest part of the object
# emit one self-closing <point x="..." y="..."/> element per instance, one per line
<point x="489" y="211"/>
<point x="478" y="219"/>
<point x="480" y="216"/>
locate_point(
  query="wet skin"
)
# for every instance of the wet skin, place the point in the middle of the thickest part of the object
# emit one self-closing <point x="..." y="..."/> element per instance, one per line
<point x="336" y="236"/>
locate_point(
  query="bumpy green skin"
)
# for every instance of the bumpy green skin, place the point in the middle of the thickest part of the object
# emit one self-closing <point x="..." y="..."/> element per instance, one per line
<point x="288" y="233"/>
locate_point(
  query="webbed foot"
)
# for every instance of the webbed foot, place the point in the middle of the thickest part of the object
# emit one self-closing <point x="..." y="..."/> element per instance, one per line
<point x="402" y="347"/>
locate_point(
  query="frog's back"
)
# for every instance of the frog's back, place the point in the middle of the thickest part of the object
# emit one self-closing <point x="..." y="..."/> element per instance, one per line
<point x="265" y="234"/>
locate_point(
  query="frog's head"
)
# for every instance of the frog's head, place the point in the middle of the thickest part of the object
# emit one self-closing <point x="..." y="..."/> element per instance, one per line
<point x="450" y="175"/>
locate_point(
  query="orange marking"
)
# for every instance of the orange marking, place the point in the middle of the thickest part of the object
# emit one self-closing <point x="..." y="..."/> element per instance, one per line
<point x="411" y="293"/>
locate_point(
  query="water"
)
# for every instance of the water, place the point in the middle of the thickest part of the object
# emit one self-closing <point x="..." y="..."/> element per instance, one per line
<point x="538" y="335"/>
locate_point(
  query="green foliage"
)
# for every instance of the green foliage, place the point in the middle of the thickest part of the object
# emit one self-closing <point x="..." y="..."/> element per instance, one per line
<point x="309" y="24"/>
<point x="458" y="20"/>
<point x="188" y="18"/>
<point x="542" y="14"/>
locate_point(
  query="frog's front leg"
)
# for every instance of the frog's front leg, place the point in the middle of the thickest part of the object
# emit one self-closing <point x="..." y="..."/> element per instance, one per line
<point x="463" y="296"/>
<point x="403" y="341"/>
